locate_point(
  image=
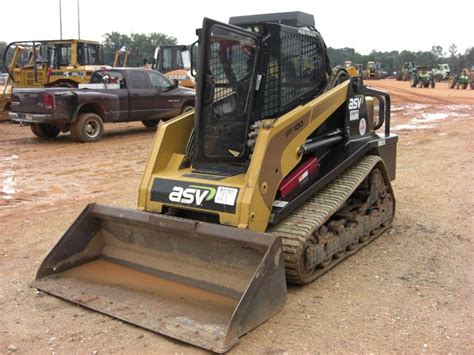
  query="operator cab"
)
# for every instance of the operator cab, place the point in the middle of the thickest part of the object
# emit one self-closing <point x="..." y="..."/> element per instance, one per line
<point x="257" y="67"/>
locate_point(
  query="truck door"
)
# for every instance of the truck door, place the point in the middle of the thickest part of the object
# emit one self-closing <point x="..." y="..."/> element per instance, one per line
<point x="141" y="95"/>
<point x="119" y="111"/>
<point x="165" y="102"/>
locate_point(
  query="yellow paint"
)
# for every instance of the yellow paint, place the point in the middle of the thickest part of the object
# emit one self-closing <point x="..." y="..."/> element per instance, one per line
<point x="171" y="138"/>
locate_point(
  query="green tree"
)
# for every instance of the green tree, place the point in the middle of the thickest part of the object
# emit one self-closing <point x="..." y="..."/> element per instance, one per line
<point x="141" y="46"/>
<point x="453" y="49"/>
<point x="437" y="52"/>
<point x="3" y="45"/>
<point x="469" y="57"/>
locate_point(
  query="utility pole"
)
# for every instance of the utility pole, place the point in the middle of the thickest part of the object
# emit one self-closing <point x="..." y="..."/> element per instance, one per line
<point x="60" y="21"/>
<point x="78" y="22"/>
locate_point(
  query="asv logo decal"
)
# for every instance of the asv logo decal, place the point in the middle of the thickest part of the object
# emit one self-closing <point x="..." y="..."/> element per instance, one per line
<point x="194" y="194"/>
<point x="355" y="102"/>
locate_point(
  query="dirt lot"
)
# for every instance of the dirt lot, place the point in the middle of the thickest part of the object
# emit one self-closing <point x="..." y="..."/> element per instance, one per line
<point x="409" y="291"/>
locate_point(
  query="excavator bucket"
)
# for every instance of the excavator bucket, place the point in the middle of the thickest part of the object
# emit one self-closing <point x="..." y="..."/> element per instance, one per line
<point x="201" y="283"/>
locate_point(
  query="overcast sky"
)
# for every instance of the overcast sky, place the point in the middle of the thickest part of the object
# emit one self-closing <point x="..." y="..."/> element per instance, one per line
<point x="363" y="25"/>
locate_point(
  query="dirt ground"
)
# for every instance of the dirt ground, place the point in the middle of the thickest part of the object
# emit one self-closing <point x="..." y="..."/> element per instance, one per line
<point x="409" y="291"/>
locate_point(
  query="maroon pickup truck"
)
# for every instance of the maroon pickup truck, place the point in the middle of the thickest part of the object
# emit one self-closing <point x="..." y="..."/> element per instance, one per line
<point x="113" y="95"/>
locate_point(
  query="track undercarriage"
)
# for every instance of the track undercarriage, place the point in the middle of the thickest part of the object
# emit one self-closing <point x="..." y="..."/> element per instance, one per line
<point x="344" y="217"/>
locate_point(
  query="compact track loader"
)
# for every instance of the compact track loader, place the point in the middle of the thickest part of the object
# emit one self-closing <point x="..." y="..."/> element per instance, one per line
<point x="276" y="177"/>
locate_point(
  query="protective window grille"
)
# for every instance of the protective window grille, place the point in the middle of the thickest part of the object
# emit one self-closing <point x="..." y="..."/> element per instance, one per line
<point x="228" y="64"/>
<point x="228" y="85"/>
<point x="292" y="73"/>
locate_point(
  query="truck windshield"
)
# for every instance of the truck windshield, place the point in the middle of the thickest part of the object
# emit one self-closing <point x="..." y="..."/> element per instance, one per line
<point x="231" y="66"/>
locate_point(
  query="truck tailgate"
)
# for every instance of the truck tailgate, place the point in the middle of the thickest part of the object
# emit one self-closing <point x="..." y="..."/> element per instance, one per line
<point x="60" y="101"/>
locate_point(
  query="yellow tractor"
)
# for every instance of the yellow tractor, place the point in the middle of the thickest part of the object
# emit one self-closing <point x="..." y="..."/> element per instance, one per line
<point x="278" y="175"/>
<point x="372" y="71"/>
<point x="5" y="92"/>
<point x="174" y="61"/>
<point x="64" y="63"/>
<point x="352" y="70"/>
<point x="6" y="84"/>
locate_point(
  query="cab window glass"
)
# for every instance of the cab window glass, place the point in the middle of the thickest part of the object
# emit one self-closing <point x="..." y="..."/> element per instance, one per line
<point x="167" y="59"/>
<point x="64" y="54"/>
<point x="158" y="81"/>
<point x="138" y="79"/>
<point x="87" y="54"/>
<point x="109" y="76"/>
<point x="179" y="58"/>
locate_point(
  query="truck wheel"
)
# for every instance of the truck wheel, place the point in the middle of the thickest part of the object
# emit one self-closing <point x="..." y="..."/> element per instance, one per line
<point x="413" y="82"/>
<point x="88" y="128"/>
<point x="187" y="108"/>
<point x="433" y="84"/>
<point x="150" y="123"/>
<point x="464" y="86"/>
<point x="426" y="85"/>
<point x="45" y="130"/>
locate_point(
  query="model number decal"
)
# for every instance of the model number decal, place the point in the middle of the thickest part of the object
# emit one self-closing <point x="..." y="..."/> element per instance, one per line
<point x="294" y="128"/>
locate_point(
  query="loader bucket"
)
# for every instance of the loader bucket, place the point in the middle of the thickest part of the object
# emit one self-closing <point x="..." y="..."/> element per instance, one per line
<point x="201" y="283"/>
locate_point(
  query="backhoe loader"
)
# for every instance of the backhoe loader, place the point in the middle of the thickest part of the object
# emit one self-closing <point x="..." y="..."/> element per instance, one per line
<point x="174" y="61"/>
<point x="277" y="176"/>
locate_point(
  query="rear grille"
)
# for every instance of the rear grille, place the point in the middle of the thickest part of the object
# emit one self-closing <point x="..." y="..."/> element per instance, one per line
<point x="29" y="78"/>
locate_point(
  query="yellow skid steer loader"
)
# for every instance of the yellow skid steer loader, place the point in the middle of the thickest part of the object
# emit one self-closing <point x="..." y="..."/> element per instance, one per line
<point x="277" y="176"/>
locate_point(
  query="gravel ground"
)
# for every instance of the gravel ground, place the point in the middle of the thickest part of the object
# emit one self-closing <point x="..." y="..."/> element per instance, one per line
<point x="411" y="290"/>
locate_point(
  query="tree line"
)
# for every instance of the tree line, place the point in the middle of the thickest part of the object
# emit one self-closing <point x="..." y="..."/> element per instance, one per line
<point x="142" y="46"/>
<point x="393" y="60"/>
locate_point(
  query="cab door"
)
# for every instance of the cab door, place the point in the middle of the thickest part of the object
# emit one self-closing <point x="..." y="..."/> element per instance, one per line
<point x="225" y="92"/>
<point x="141" y="95"/>
<point x="165" y="102"/>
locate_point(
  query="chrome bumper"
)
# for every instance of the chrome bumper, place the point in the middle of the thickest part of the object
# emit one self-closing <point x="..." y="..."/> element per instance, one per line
<point x="30" y="117"/>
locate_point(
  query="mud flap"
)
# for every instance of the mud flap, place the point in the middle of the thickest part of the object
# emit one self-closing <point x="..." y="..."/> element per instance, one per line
<point x="201" y="283"/>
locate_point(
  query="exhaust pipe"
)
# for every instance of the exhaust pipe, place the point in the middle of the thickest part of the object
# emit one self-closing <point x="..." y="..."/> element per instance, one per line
<point x="201" y="283"/>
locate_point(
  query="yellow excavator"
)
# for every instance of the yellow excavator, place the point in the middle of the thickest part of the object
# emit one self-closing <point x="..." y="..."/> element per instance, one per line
<point x="278" y="175"/>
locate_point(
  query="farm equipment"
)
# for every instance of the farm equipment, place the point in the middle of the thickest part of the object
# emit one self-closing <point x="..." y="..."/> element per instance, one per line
<point x="461" y="80"/>
<point x="442" y="72"/>
<point x="352" y="70"/>
<point x="174" y="61"/>
<point x="6" y="84"/>
<point x="57" y="63"/>
<point x="405" y="71"/>
<point x="278" y="171"/>
<point x="372" y="71"/>
<point x="423" y="77"/>
<point x="5" y="92"/>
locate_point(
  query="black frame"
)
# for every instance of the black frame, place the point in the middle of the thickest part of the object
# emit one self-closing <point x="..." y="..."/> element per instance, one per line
<point x="200" y="161"/>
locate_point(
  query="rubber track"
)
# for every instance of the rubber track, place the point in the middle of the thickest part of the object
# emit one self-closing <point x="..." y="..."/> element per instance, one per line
<point x="301" y="224"/>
